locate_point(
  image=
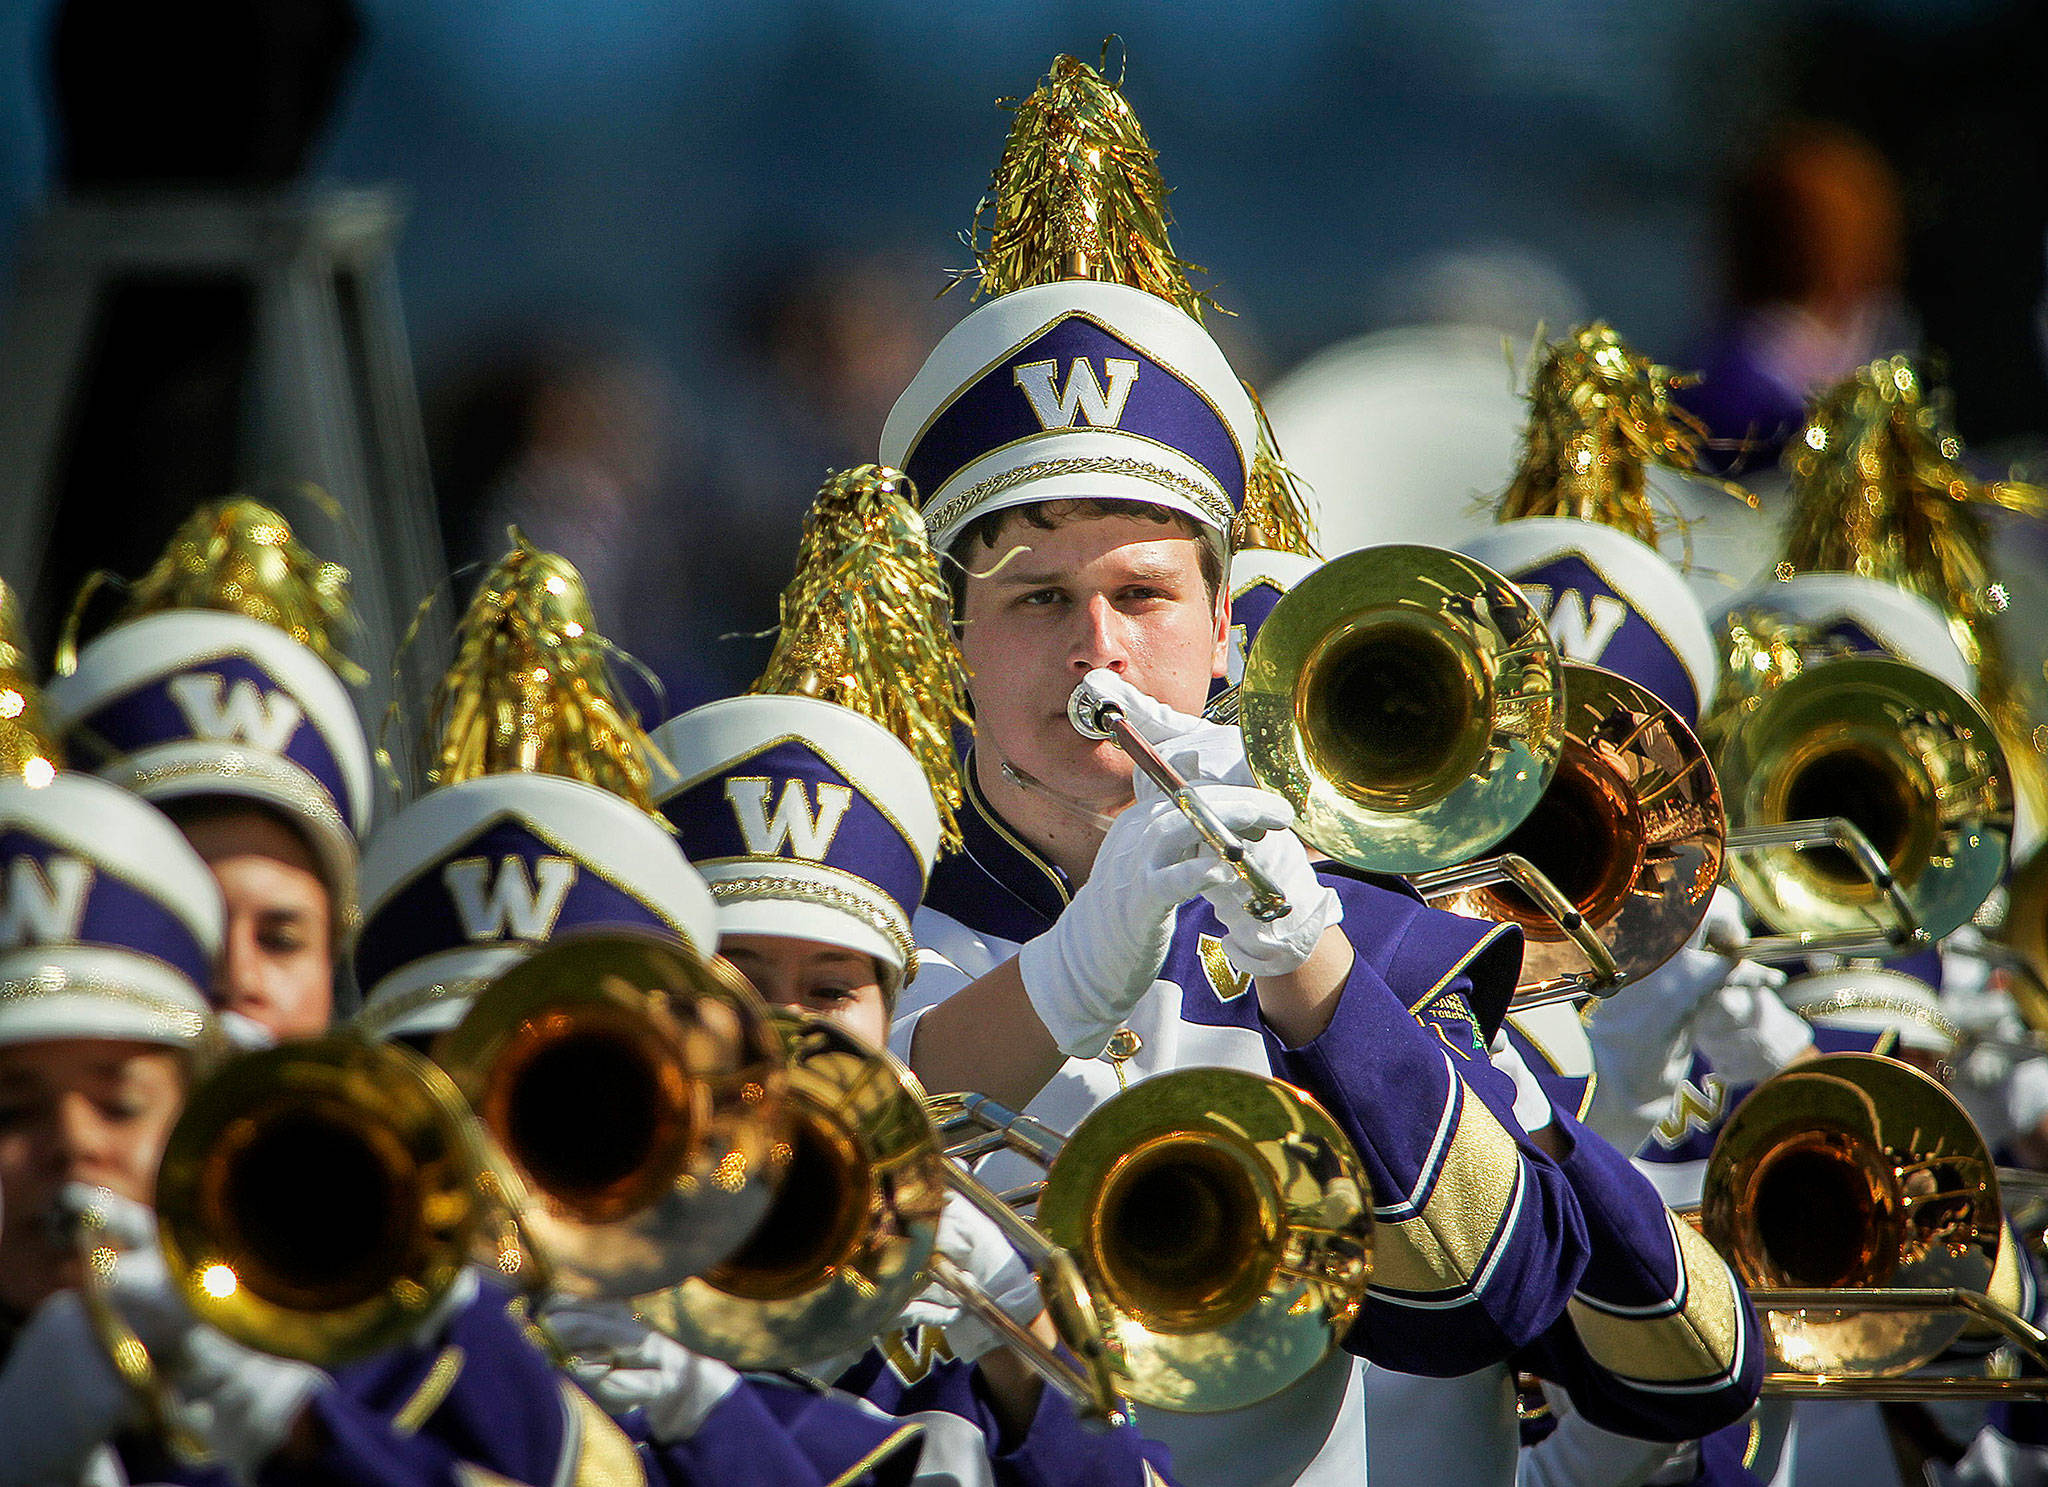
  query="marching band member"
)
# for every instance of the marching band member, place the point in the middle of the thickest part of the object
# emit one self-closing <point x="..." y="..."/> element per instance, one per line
<point x="112" y="925"/>
<point x="539" y="825"/>
<point x="1082" y="448"/>
<point x="816" y="826"/>
<point x="216" y="697"/>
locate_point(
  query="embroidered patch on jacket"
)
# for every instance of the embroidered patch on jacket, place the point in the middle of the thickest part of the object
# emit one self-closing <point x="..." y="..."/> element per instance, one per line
<point x="1694" y="1107"/>
<point x="1451" y="1015"/>
<point x="1225" y="980"/>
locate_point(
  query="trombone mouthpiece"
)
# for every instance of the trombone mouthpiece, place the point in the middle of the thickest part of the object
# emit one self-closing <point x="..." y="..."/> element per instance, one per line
<point x="1091" y="713"/>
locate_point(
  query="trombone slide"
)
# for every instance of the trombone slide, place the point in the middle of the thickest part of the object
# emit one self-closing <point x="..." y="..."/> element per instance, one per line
<point x="1099" y="718"/>
<point x="2013" y="1329"/>
<point x="1604" y="977"/>
<point x="1842" y="833"/>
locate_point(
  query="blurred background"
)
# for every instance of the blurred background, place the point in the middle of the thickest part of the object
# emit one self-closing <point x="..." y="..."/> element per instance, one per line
<point x="662" y="264"/>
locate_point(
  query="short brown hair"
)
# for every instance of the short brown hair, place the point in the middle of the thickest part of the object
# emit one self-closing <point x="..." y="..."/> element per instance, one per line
<point x="987" y="530"/>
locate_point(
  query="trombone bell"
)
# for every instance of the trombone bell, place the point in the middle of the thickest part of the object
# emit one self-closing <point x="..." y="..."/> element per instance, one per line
<point x="1407" y="702"/>
<point x="1898" y="752"/>
<point x="1854" y="1173"/>
<point x="316" y="1199"/>
<point x="1224" y="1227"/>
<point x="637" y="1091"/>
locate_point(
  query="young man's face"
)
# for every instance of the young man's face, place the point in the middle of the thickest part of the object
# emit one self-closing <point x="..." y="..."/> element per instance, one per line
<point x="277" y="966"/>
<point x="1117" y="592"/>
<point x="89" y="1110"/>
<point x="826" y="981"/>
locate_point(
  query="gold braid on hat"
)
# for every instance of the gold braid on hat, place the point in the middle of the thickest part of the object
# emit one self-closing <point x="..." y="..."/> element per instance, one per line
<point x="28" y="750"/>
<point x="532" y="689"/>
<point x="1879" y="489"/>
<point x="867" y="623"/>
<point x="1600" y="413"/>
<point x="240" y="556"/>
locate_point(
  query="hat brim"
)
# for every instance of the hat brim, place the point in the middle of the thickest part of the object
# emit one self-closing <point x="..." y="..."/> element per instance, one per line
<point x="54" y="992"/>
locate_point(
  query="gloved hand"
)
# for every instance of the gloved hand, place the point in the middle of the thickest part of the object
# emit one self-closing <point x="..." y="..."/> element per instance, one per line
<point x="624" y="1364"/>
<point x="64" y="1389"/>
<point x="1211" y="757"/>
<point x="59" y="1396"/>
<point x="1724" y="930"/>
<point x="1086" y="973"/>
<point x="971" y="1240"/>
<point x="1277" y="946"/>
<point x="1199" y="749"/>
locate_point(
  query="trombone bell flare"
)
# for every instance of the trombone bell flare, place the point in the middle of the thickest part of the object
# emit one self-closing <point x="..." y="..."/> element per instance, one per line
<point x="1854" y="1171"/>
<point x="844" y="1245"/>
<point x="1223" y="1224"/>
<point x="1897" y="751"/>
<point x="1407" y="702"/>
<point x="1630" y="830"/>
<point x="637" y="1090"/>
<point x="318" y="1198"/>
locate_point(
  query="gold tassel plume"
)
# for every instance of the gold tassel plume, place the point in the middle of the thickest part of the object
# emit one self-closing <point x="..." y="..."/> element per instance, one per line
<point x="1600" y="413"/>
<point x="1077" y="195"/>
<point x="1878" y="489"/>
<point x="28" y="750"/>
<point x="867" y="623"/>
<point x="240" y="556"/>
<point x="532" y="690"/>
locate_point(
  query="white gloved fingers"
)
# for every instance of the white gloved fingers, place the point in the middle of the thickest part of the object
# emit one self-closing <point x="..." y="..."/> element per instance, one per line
<point x="59" y="1396"/>
<point x="605" y="1333"/>
<point x="125" y="1223"/>
<point x="934" y="1306"/>
<point x="977" y="1244"/>
<point x="1155" y="722"/>
<point x="243" y="1403"/>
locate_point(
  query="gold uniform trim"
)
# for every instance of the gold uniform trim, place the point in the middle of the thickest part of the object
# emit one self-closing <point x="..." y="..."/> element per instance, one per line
<point x="432" y="1392"/>
<point x="1698" y="1341"/>
<point x="1444" y="1246"/>
<point x="896" y="1442"/>
<point x="1211" y="504"/>
<point x="604" y="1457"/>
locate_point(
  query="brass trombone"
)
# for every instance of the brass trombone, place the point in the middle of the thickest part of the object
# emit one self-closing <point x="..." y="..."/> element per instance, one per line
<point x="1198" y="1248"/>
<point x="1220" y="1219"/>
<point x="1614" y="869"/>
<point x="852" y="1234"/>
<point x="1860" y="1208"/>
<point x="1909" y="760"/>
<point x="1408" y="702"/>
<point x="316" y="1200"/>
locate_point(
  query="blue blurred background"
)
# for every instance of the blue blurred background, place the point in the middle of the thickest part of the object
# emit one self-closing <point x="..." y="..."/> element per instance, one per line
<point x="695" y="247"/>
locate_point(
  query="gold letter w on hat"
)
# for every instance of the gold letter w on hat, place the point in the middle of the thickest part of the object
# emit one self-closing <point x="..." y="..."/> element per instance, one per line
<point x="1083" y="395"/>
<point x="807" y="833"/>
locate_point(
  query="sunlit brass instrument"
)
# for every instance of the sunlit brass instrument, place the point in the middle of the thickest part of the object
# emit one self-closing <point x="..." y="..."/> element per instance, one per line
<point x="1408" y="702"/>
<point x="317" y="1199"/>
<point x="1903" y="756"/>
<point x="1221" y="1221"/>
<point x="1097" y="717"/>
<point x="636" y="1089"/>
<point x="851" y="1236"/>
<point x="1629" y="834"/>
<point x="1859" y="1206"/>
<point x="2023" y="933"/>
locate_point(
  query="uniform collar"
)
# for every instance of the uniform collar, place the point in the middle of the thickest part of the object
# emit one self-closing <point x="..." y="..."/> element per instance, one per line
<point x="999" y="851"/>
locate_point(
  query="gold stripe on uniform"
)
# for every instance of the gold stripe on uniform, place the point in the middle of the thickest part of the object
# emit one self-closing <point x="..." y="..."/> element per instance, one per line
<point x="1443" y="1246"/>
<point x="433" y="1390"/>
<point x="605" y="1457"/>
<point x="1696" y="1342"/>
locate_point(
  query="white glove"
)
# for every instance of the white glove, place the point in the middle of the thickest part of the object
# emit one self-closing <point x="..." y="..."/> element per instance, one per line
<point x="1270" y="947"/>
<point x="624" y="1364"/>
<point x="1086" y="973"/>
<point x="242" y="1403"/>
<point x="1211" y="756"/>
<point x="970" y="1239"/>
<point x="1199" y="749"/>
<point x="1724" y="929"/>
<point x="59" y="1397"/>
